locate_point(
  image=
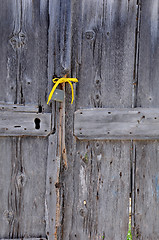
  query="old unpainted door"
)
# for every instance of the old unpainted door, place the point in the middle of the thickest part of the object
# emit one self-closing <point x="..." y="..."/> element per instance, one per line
<point x="28" y="166"/>
<point x="97" y="183"/>
<point x="67" y="170"/>
<point x="114" y="150"/>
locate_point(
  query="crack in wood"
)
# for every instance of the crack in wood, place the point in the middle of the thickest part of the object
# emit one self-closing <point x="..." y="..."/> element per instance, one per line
<point x="136" y="56"/>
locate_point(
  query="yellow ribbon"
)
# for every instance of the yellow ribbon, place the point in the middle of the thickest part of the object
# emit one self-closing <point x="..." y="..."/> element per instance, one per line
<point x="57" y="81"/>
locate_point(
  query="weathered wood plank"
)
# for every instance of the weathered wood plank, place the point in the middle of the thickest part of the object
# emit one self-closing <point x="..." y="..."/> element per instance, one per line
<point x="147" y="190"/>
<point x="24" y="67"/>
<point x="19" y="107"/>
<point x="148" y="70"/>
<point x="104" y="38"/>
<point x="59" y="60"/>
<point x="33" y="55"/>
<point x="145" y="207"/>
<point x="24" y="124"/>
<point x="101" y="180"/>
<point x="22" y="187"/>
<point x="27" y="239"/>
<point x="103" y="43"/>
<point x="8" y="60"/>
<point x="107" y="123"/>
<point x="24" y="47"/>
<point x="5" y="172"/>
<point x="53" y="168"/>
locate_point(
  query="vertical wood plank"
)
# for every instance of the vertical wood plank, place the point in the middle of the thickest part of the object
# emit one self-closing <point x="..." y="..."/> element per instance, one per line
<point x="24" y="49"/>
<point x="8" y="61"/>
<point x="34" y="196"/>
<point x="147" y="190"/>
<point x="146" y="155"/>
<point x="34" y="61"/>
<point x="148" y="71"/>
<point x="31" y="194"/>
<point x="101" y="183"/>
<point x="59" y="63"/>
<point x="23" y="187"/>
<point x="5" y="172"/>
<point x="53" y="167"/>
<point x="103" y="43"/>
<point x="108" y="42"/>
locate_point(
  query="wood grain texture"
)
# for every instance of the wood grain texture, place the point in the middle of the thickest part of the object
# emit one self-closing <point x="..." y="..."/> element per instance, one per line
<point x="24" y="71"/>
<point x="34" y="56"/>
<point x="19" y="107"/>
<point x="101" y="179"/>
<point x="148" y="70"/>
<point x="27" y="239"/>
<point x="146" y="190"/>
<point x="107" y="123"/>
<point x="24" y="26"/>
<point x="145" y="160"/>
<point x="95" y="41"/>
<point x="24" y="124"/>
<point x="22" y="186"/>
<point x="104" y="36"/>
<point x="53" y="167"/>
<point x="59" y="61"/>
<point x="103" y="43"/>
<point x="8" y="68"/>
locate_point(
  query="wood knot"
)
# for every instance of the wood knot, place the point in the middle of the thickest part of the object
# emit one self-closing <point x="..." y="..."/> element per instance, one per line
<point x="9" y="215"/>
<point x="18" y="40"/>
<point x="90" y="35"/>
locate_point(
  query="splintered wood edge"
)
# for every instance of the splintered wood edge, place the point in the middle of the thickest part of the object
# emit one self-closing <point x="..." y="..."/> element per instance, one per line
<point x="122" y="124"/>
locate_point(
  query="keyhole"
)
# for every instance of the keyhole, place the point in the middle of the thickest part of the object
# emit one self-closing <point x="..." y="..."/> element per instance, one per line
<point x="37" y="123"/>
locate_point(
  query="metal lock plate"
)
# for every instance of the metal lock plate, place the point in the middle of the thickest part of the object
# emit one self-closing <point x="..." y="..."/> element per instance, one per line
<point x="58" y="95"/>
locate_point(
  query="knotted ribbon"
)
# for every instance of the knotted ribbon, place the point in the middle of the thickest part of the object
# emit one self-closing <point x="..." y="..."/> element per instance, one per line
<point x="57" y="81"/>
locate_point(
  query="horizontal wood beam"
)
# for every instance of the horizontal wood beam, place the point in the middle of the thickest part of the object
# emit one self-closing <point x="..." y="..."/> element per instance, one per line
<point x="18" y="107"/>
<point x="24" y="124"/>
<point x="103" y="123"/>
<point x="25" y="239"/>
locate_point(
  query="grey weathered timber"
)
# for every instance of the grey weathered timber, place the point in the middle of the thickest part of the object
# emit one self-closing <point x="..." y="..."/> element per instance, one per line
<point x="101" y="179"/>
<point x="8" y="60"/>
<point x="148" y="62"/>
<point x="59" y="60"/>
<point x="33" y="78"/>
<point x="27" y="239"/>
<point x="145" y="160"/>
<point x="23" y="36"/>
<point x="23" y="164"/>
<point x="24" y="124"/>
<point x="57" y="186"/>
<point x="107" y="123"/>
<point x="19" y="107"/>
<point x="103" y="52"/>
<point x="52" y="175"/>
<point x="146" y="190"/>
<point x="103" y="43"/>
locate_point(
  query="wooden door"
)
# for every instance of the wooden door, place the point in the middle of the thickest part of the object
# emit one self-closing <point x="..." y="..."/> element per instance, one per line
<point x="67" y="171"/>
<point x="115" y="149"/>
<point x="27" y="156"/>
<point x="97" y="183"/>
